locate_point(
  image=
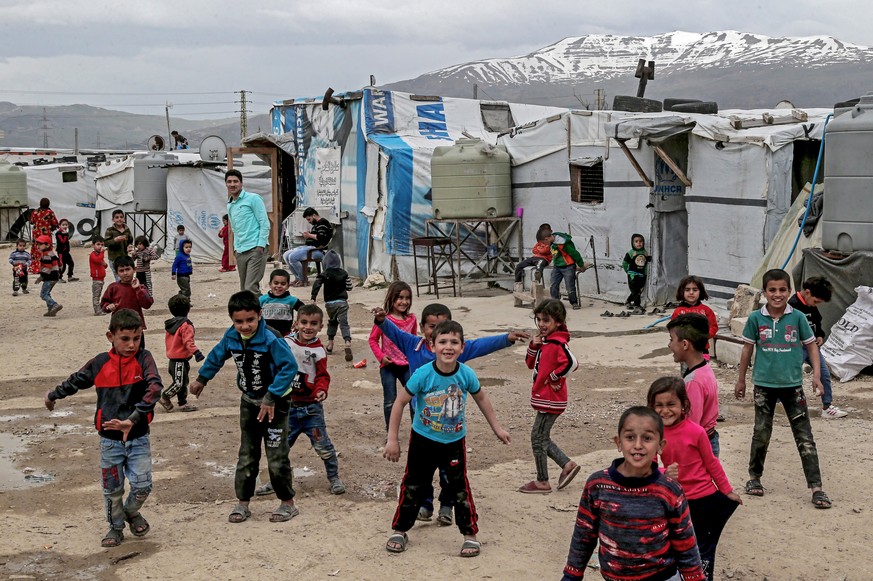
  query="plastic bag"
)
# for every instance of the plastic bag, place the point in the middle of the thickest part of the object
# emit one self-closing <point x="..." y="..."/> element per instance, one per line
<point x="849" y="349"/>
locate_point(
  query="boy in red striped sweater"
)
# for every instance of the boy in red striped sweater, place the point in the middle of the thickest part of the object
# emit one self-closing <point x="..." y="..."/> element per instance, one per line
<point x="552" y="361"/>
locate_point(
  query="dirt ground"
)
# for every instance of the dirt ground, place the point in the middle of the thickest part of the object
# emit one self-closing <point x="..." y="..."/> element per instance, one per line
<point x="51" y="503"/>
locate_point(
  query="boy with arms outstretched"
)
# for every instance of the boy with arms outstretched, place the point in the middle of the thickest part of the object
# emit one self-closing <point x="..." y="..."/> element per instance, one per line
<point x="128" y="385"/>
<point x="265" y="369"/>
<point x="777" y="334"/>
<point x="440" y="390"/>
<point x="418" y="352"/>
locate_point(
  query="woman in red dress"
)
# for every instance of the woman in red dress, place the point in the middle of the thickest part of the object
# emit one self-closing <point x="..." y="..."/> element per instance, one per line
<point x="43" y="222"/>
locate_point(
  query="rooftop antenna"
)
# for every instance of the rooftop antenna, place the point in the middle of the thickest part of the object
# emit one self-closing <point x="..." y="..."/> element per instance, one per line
<point x="645" y="73"/>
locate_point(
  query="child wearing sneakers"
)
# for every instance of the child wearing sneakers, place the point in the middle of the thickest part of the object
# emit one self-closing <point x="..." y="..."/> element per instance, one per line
<point x="183" y="268"/>
<point x="777" y="334"/>
<point x="552" y="361"/>
<point x="337" y="284"/>
<point x="143" y="254"/>
<point x="49" y="272"/>
<point x="815" y="291"/>
<point x="279" y="305"/>
<point x="97" y="265"/>
<point x="542" y="256"/>
<point x="565" y="261"/>
<point x="180" y="345"/>
<point x="62" y="236"/>
<point x="20" y="261"/>
<point x="308" y="392"/>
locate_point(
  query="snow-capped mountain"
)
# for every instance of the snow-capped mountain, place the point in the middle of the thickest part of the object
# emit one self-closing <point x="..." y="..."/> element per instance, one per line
<point x="735" y="68"/>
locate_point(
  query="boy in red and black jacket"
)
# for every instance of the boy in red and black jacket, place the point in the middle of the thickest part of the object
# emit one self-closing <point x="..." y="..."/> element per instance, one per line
<point x="180" y="345"/>
<point x="128" y="385"/>
<point x="552" y="361"/>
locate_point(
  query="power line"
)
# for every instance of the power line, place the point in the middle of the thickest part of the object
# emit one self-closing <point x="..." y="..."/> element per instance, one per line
<point x="104" y="94"/>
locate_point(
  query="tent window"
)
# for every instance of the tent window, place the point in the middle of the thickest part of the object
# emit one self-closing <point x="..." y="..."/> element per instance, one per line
<point x="586" y="184"/>
<point x="496" y="116"/>
<point x="69" y="176"/>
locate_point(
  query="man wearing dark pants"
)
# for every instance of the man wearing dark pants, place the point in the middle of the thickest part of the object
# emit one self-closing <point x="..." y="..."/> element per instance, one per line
<point x="251" y="231"/>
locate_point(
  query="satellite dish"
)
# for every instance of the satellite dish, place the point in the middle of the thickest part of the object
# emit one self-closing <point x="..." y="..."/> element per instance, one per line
<point x="156" y="143"/>
<point x="329" y="98"/>
<point x="213" y="148"/>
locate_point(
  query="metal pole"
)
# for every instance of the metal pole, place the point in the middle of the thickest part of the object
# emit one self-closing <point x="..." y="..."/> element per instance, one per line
<point x="594" y="255"/>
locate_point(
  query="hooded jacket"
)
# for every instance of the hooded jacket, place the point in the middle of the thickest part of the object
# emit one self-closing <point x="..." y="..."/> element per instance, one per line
<point x="179" y="339"/>
<point x="335" y="280"/>
<point x="265" y="365"/>
<point x="564" y="252"/>
<point x="636" y="262"/>
<point x="127" y="389"/>
<point x="182" y="265"/>
<point x="552" y="361"/>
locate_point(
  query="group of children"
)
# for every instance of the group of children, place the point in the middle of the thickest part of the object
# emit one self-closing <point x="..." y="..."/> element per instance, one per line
<point x="652" y="522"/>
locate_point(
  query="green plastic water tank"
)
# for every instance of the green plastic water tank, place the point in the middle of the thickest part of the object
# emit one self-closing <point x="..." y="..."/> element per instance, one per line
<point x="847" y="220"/>
<point x="471" y="179"/>
<point x="13" y="186"/>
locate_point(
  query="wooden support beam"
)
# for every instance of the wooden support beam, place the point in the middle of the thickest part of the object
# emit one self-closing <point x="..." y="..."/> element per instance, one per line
<point x="672" y="164"/>
<point x="633" y="160"/>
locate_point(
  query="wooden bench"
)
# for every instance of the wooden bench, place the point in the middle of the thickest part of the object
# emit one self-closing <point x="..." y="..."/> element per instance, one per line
<point x="534" y="295"/>
<point x="304" y="263"/>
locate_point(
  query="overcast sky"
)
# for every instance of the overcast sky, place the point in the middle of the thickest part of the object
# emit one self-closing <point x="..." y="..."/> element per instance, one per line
<point x="137" y="56"/>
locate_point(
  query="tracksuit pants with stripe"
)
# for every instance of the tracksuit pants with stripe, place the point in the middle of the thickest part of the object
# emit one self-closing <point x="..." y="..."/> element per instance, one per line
<point x="424" y="457"/>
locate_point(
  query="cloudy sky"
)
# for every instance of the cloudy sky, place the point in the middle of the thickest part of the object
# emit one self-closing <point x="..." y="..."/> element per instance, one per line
<point x="195" y="54"/>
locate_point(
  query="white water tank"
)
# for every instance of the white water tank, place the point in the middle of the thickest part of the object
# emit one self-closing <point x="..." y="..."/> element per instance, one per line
<point x="471" y="179"/>
<point x="847" y="220"/>
<point x="150" y="181"/>
<point x="13" y="186"/>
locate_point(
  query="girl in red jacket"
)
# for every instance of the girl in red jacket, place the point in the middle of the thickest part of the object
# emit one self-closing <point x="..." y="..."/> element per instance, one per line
<point x="551" y="360"/>
<point x="689" y="294"/>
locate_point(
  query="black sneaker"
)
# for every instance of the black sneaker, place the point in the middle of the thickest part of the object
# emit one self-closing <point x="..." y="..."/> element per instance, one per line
<point x="54" y="310"/>
<point x="72" y="279"/>
<point x="25" y="291"/>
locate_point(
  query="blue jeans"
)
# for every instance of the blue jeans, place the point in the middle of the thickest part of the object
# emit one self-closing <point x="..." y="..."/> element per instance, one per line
<point x="120" y="460"/>
<point x="713" y="440"/>
<point x="293" y="257"/>
<point x="309" y="420"/>
<point x="568" y="275"/>
<point x="45" y="293"/>
<point x="390" y="375"/>
<point x="828" y="395"/>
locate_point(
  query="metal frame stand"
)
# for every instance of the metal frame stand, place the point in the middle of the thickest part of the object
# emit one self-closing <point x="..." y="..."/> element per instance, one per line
<point x="145" y="223"/>
<point x="438" y="253"/>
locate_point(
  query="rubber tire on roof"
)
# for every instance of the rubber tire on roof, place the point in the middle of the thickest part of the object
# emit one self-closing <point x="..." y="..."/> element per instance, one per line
<point x="703" y="107"/>
<point x="669" y="103"/>
<point x="636" y="104"/>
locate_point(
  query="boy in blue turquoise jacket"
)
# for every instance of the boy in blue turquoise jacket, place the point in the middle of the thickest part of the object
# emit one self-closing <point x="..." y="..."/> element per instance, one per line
<point x="417" y="351"/>
<point x="265" y="369"/>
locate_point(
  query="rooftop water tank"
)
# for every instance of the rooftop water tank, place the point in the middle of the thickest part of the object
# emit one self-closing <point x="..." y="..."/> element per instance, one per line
<point x="150" y="181"/>
<point x="13" y="186"/>
<point x="847" y="220"/>
<point x="471" y="179"/>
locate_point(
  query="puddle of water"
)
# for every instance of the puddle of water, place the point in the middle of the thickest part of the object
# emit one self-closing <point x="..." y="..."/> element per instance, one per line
<point x="10" y="477"/>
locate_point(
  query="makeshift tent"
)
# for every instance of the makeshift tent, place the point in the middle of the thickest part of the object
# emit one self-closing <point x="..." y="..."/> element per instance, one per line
<point x="70" y="188"/>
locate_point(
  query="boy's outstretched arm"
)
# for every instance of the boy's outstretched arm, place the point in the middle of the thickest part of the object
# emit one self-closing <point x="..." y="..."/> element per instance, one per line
<point x="82" y="379"/>
<point x="485" y="345"/>
<point x="392" y="448"/>
<point x="484" y="403"/>
<point x="214" y="361"/>
<point x="404" y="341"/>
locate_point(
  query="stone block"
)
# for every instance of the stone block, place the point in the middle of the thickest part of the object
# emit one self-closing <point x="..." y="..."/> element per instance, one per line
<point x="737" y="325"/>
<point x="746" y="299"/>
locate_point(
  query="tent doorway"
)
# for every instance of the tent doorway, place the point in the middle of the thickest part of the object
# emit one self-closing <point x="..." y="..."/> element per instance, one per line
<point x="670" y="219"/>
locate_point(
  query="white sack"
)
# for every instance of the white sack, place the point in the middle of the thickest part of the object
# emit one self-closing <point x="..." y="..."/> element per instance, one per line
<point x="849" y="349"/>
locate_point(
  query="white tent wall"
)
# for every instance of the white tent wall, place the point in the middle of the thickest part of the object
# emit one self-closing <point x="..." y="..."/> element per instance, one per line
<point x="201" y="213"/>
<point x="73" y="200"/>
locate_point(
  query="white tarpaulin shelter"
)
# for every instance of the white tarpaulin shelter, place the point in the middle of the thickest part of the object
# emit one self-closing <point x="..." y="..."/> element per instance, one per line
<point x="70" y="188"/>
<point x="197" y="198"/>
<point x="717" y="225"/>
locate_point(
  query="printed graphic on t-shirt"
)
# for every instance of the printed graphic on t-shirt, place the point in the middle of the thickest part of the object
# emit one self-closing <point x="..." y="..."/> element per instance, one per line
<point x="771" y="344"/>
<point x="277" y="312"/>
<point x="640" y="260"/>
<point x="443" y="410"/>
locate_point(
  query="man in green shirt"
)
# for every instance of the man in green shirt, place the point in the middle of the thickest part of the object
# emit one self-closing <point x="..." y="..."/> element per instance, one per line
<point x="251" y="231"/>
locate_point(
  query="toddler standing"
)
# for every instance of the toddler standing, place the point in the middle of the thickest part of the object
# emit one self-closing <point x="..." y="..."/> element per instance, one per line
<point x="183" y="267"/>
<point x="636" y="266"/>
<point x="179" y="342"/>
<point x="143" y="254"/>
<point x="62" y="236"/>
<point x="337" y="285"/>
<point x="97" y="265"/>
<point x="393" y="365"/>
<point x="224" y="234"/>
<point x="552" y="361"/>
<point x="20" y="261"/>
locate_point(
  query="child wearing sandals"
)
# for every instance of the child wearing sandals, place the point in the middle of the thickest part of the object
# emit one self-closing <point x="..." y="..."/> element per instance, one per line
<point x="393" y="366"/>
<point x="127" y="383"/>
<point x="777" y="334"/>
<point x="639" y="515"/>
<point x="552" y="361"/>
<point x="711" y="499"/>
<point x="179" y="341"/>
<point x="438" y="437"/>
<point x="265" y="370"/>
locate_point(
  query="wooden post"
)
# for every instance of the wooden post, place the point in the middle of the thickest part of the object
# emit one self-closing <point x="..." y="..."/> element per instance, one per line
<point x="633" y="160"/>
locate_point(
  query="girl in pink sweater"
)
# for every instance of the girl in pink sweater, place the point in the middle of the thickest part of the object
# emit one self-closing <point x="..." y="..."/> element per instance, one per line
<point x="393" y="366"/>
<point x="711" y="499"/>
